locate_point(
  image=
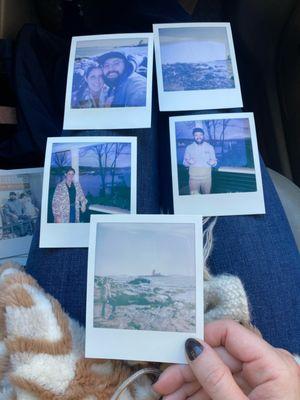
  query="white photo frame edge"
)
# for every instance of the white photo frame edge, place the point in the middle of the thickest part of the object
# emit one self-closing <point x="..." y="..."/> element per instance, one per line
<point x="245" y="203"/>
<point x="131" y="117"/>
<point x="143" y="344"/>
<point x="213" y="99"/>
<point x="76" y="235"/>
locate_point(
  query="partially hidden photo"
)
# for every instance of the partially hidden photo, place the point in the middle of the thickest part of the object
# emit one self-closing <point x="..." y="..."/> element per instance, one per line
<point x="215" y="165"/>
<point x="20" y="204"/>
<point x="85" y="176"/>
<point x="196" y="67"/>
<point x="149" y="286"/>
<point x="109" y="81"/>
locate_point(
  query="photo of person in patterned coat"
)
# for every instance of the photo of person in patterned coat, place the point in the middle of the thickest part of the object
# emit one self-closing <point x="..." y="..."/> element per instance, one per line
<point x="68" y="199"/>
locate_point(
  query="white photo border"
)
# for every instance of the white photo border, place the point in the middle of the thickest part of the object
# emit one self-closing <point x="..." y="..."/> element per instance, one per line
<point x="20" y="245"/>
<point x="217" y="204"/>
<point x="77" y="235"/>
<point x="141" y="345"/>
<point x="115" y="117"/>
<point x="189" y="100"/>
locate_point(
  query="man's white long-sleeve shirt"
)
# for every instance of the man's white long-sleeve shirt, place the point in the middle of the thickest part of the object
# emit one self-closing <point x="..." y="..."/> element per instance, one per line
<point x="199" y="155"/>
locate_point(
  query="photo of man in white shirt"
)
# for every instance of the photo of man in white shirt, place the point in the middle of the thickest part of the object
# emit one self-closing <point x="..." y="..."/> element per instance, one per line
<point x="199" y="158"/>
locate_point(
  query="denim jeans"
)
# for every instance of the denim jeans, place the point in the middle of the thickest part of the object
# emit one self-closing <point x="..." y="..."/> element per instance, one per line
<point x="259" y="249"/>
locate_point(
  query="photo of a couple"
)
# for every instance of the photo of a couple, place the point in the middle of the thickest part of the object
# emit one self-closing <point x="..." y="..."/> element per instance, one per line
<point x="18" y="215"/>
<point x="110" y="73"/>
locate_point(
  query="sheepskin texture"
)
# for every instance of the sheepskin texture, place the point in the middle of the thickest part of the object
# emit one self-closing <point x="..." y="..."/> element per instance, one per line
<point x="42" y="348"/>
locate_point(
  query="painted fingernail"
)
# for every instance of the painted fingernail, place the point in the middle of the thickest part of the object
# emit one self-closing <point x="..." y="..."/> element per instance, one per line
<point x="155" y="379"/>
<point x="193" y="348"/>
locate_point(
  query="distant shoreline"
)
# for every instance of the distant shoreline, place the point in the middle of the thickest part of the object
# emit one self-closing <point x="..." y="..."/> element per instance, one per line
<point x="144" y="276"/>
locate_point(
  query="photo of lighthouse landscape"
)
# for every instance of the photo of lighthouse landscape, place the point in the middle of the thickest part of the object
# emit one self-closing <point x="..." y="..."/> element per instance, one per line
<point x="144" y="277"/>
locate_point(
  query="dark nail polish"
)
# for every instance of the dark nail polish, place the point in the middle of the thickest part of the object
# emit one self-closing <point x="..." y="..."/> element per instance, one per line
<point x="193" y="349"/>
<point x="155" y="378"/>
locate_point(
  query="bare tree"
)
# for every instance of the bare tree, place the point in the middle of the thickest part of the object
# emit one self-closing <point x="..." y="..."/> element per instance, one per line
<point x="60" y="159"/>
<point x="211" y="127"/>
<point x="207" y="125"/>
<point x="107" y="155"/>
<point x="118" y="150"/>
<point x="216" y="130"/>
<point x="225" y="123"/>
<point x="101" y="152"/>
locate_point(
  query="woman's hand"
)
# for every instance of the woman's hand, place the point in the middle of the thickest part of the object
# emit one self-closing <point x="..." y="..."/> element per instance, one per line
<point x="212" y="162"/>
<point x="233" y="364"/>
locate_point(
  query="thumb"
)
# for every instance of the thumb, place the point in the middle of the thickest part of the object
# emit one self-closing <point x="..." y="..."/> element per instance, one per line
<point x="213" y="375"/>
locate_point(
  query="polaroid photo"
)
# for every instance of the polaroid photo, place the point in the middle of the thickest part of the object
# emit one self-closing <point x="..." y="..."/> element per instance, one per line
<point x="196" y="67"/>
<point x="145" y="287"/>
<point x="109" y="83"/>
<point x="20" y="204"/>
<point x="215" y="165"/>
<point x="85" y="176"/>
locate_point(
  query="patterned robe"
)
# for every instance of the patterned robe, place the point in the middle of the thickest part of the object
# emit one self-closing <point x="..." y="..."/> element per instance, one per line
<point x="61" y="202"/>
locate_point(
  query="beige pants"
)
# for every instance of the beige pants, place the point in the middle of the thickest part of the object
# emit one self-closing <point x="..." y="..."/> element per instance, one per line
<point x="200" y="180"/>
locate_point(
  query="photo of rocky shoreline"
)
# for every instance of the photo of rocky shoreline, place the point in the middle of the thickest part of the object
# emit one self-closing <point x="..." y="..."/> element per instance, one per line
<point x="198" y="76"/>
<point x="152" y="302"/>
<point x="148" y="282"/>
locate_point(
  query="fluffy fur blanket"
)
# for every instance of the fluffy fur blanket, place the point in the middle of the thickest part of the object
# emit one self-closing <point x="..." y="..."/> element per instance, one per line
<point x="42" y="349"/>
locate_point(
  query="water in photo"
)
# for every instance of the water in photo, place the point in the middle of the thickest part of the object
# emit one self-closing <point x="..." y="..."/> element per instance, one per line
<point x="87" y="178"/>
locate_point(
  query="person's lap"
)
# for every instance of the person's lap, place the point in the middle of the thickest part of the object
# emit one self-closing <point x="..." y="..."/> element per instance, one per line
<point x="259" y="249"/>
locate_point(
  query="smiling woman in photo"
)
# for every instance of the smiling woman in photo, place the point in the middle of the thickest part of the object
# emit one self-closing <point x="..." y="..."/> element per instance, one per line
<point x="94" y="93"/>
<point x="68" y="199"/>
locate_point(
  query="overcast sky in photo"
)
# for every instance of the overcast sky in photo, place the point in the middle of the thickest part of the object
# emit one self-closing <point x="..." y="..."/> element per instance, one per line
<point x="89" y="158"/>
<point x="138" y="248"/>
<point x="236" y="129"/>
<point x="95" y="48"/>
<point x="193" y="45"/>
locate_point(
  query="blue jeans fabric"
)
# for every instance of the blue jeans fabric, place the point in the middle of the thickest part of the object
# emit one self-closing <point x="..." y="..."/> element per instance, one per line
<point x="259" y="249"/>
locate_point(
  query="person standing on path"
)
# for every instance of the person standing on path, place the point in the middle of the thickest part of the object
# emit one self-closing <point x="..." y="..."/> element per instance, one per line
<point x="199" y="158"/>
<point x="105" y="296"/>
